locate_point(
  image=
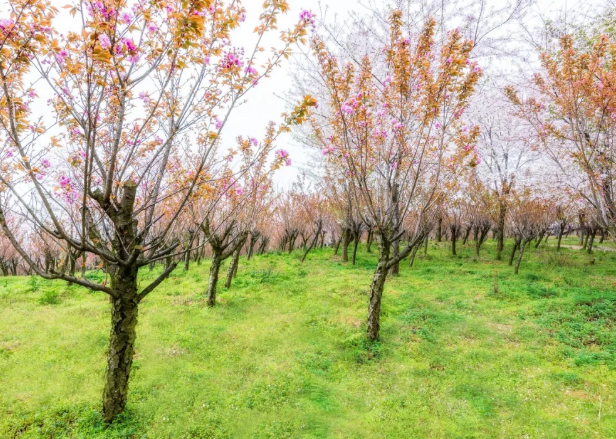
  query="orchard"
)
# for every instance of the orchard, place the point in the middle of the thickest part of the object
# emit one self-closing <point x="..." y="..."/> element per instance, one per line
<point x="421" y="243"/>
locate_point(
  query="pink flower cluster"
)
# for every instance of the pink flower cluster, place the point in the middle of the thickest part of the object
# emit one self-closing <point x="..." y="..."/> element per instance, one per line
<point x="6" y="23"/>
<point x="61" y="56"/>
<point x="233" y="59"/>
<point x="284" y="155"/>
<point x="104" y="41"/>
<point x="307" y="17"/>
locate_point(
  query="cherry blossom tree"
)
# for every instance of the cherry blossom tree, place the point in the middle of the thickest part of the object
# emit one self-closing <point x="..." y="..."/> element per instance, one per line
<point x="391" y="132"/>
<point x="138" y="94"/>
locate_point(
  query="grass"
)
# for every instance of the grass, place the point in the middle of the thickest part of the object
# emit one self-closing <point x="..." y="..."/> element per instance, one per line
<point x="468" y="350"/>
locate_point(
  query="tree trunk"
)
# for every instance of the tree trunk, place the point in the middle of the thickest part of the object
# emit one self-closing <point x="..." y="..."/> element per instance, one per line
<point x="426" y="244"/>
<point x="346" y="240"/>
<point x="517" y="265"/>
<point x="292" y="240"/>
<point x="191" y="237"/>
<point x="514" y="250"/>
<point x="369" y="241"/>
<point x="213" y="282"/>
<point x="539" y="240"/>
<point x="439" y="230"/>
<point x="251" y="246"/>
<point x="413" y="254"/>
<point x="500" y="243"/>
<point x="338" y="242"/>
<point x="355" y="245"/>
<point x="454" y="238"/>
<point x="376" y="292"/>
<point x="232" y="271"/>
<point x="561" y="231"/>
<point x="466" y="235"/>
<point x="124" y="310"/>
<point x="591" y="242"/>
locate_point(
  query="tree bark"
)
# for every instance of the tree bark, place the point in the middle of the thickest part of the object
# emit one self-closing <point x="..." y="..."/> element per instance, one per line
<point x="124" y="311"/>
<point x="213" y="282"/>
<point x="591" y="241"/>
<point x="514" y="250"/>
<point x="346" y="240"/>
<point x="561" y="231"/>
<point x="376" y="292"/>
<point x="439" y="230"/>
<point x="500" y="243"/>
<point x="454" y="238"/>
<point x="232" y="271"/>
<point x="517" y="265"/>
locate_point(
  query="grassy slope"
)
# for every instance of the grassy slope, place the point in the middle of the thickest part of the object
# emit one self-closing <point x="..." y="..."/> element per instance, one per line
<point x="469" y="351"/>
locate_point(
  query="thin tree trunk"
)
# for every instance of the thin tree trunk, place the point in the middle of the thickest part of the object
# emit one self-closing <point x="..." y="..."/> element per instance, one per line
<point x="232" y="271"/>
<point x="591" y="242"/>
<point x="337" y="248"/>
<point x="466" y="235"/>
<point x="517" y="265"/>
<point x="500" y="243"/>
<point x="561" y="231"/>
<point x="426" y="244"/>
<point x="369" y="241"/>
<point x="412" y="258"/>
<point x="439" y="230"/>
<point x="355" y="245"/>
<point x="514" y="250"/>
<point x="213" y="282"/>
<point x="539" y="240"/>
<point x="346" y="240"/>
<point x="454" y="238"/>
<point x="376" y="292"/>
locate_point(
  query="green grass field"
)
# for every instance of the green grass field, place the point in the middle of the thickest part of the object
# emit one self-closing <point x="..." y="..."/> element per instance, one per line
<point x="468" y="350"/>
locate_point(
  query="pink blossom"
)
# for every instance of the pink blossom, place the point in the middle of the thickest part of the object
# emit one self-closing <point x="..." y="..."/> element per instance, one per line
<point x="45" y="163"/>
<point x="61" y="55"/>
<point x="449" y="60"/>
<point x="307" y="17"/>
<point x="144" y="97"/>
<point x="254" y="141"/>
<point x="218" y="123"/>
<point x="152" y="27"/>
<point x="282" y="153"/>
<point x="130" y="45"/>
<point x="104" y="41"/>
<point x="437" y="125"/>
<point x="346" y="108"/>
<point x="127" y="17"/>
<point x="5" y="22"/>
<point x="64" y="181"/>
